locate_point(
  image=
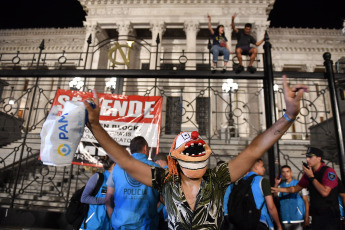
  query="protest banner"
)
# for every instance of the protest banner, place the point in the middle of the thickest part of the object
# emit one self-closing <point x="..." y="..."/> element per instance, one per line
<point x="123" y="117"/>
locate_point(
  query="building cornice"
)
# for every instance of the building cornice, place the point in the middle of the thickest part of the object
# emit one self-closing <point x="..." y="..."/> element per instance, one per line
<point x="43" y="31"/>
<point x="306" y="50"/>
<point x="178" y="2"/>
<point x="50" y="48"/>
<point x="305" y="32"/>
<point x="176" y="11"/>
<point x="306" y="40"/>
<point x="28" y="40"/>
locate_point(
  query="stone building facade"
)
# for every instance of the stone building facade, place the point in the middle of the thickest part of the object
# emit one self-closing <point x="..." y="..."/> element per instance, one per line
<point x="182" y="28"/>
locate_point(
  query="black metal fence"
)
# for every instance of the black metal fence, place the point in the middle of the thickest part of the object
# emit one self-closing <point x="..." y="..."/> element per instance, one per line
<point x="228" y="110"/>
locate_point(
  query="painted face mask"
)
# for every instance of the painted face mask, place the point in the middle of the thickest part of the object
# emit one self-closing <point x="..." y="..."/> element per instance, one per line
<point x="192" y="154"/>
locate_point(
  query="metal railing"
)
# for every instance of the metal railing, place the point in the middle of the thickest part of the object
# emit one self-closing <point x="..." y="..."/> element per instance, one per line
<point x="228" y="120"/>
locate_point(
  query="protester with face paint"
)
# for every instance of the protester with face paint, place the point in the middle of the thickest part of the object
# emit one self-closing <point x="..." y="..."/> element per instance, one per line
<point x="322" y="183"/>
<point x="193" y="194"/>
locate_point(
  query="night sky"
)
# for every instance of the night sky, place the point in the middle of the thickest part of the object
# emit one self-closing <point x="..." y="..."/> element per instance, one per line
<point x="69" y="13"/>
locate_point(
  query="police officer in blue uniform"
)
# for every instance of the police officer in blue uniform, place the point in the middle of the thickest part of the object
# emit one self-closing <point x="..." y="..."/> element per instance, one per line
<point x="97" y="218"/>
<point x="322" y="183"/>
<point x="135" y="203"/>
<point x="294" y="210"/>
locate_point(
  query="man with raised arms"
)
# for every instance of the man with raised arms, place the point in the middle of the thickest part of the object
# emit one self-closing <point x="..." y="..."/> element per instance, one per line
<point x="193" y="194"/>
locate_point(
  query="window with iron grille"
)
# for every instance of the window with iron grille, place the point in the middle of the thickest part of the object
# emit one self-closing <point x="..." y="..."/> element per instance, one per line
<point x="173" y="115"/>
<point x="202" y="114"/>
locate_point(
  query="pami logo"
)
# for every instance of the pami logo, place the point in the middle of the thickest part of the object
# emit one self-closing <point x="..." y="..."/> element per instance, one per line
<point x="63" y="123"/>
<point x="63" y="149"/>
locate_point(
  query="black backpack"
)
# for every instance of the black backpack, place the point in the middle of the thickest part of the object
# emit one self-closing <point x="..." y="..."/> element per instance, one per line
<point x="77" y="211"/>
<point x="242" y="211"/>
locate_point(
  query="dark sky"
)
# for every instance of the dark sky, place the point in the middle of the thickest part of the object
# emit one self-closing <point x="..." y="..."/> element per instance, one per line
<point x="69" y="13"/>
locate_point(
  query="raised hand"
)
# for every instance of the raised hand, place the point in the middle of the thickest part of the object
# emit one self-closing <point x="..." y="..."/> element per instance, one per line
<point x="293" y="96"/>
<point x="308" y="172"/>
<point x="93" y="113"/>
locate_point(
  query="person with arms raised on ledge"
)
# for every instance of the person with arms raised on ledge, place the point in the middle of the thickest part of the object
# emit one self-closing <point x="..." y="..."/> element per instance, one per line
<point x="244" y="39"/>
<point x="220" y="45"/>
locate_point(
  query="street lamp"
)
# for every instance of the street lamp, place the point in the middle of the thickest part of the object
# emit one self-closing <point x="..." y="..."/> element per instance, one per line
<point x="76" y="84"/>
<point x="11" y="100"/>
<point x="111" y="84"/>
<point x="275" y="88"/>
<point x="230" y="86"/>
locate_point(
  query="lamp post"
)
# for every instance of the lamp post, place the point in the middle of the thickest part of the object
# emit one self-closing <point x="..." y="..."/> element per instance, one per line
<point x="230" y="86"/>
<point x="111" y="84"/>
<point x="11" y="99"/>
<point x="275" y="88"/>
<point x="76" y="84"/>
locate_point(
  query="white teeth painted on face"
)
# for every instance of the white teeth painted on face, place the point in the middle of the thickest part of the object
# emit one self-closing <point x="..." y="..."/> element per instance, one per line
<point x="193" y="165"/>
<point x="193" y="154"/>
<point x="200" y="144"/>
<point x="204" y="145"/>
<point x="204" y="152"/>
<point x="186" y="146"/>
<point x="192" y="144"/>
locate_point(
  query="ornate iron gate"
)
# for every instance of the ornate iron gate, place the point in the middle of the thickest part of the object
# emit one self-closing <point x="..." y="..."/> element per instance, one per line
<point x="228" y="113"/>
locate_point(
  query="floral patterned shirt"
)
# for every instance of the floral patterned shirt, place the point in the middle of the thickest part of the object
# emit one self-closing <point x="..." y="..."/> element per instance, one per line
<point x="208" y="210"/>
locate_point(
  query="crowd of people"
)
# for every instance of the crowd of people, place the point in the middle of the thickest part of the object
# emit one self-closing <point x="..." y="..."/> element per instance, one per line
<point x="180" y="192"/>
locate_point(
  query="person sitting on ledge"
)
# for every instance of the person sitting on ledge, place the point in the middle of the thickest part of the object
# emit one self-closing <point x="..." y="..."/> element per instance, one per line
<point x="220" y="45"/>
<point x="244" y="39"/>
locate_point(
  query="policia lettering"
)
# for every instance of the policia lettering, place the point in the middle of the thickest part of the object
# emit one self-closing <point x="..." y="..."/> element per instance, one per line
<point x="134" y="193"/>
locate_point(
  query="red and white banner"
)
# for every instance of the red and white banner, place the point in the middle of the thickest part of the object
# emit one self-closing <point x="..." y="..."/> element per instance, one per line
<point x="123" y="117"/>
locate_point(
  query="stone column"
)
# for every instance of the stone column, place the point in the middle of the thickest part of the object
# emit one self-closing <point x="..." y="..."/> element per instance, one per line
<point x="124" y="29"/>
<point x="191" y="29"/>
<point x="101" y="54"/>
<point x="91" y="29"/>
<point x="97" y="35"/>
<point x="260" y="34"/>
<point x="156" y="28"/>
